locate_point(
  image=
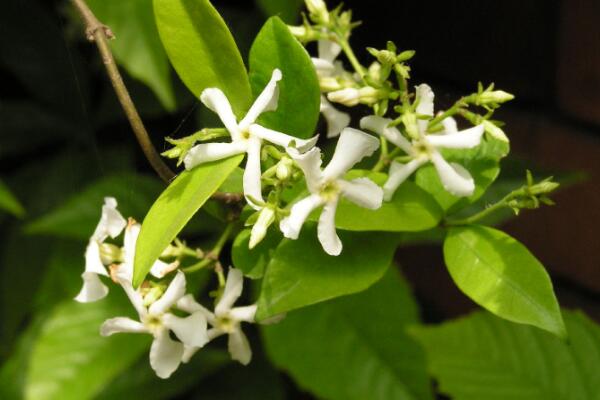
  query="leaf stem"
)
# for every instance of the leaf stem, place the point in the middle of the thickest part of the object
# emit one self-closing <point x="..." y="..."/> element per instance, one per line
<point x="345" y="44"/>
<point x="483" y="213"/>
<point x="97" y="32"/>
<point x="213" y="255"/>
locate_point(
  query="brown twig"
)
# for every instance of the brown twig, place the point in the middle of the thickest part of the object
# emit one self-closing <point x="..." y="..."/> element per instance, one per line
<point x="97" y="32"/>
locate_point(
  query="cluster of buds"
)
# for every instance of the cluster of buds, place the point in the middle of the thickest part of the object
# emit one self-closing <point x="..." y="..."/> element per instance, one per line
<point x="532" y="194"/>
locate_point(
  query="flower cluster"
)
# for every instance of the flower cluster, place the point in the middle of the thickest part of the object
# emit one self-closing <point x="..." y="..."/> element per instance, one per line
<point x="162" y="309"/>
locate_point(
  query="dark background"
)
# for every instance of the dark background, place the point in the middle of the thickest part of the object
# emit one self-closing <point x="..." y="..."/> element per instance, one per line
<point x="55" y="100"/>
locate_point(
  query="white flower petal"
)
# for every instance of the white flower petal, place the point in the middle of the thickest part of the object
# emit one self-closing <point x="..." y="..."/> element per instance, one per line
<point x="425" y="98"/>
<point x="188" y="304"/>
<point x="326" y="230"/>
<point x="449" y="125"/>
<point x="466" y="139"/>
<point x="245" y="313"/>
<point x="92" y="290"/>
<point x="310" y="163"/>
<point x="266" y="101"/>
<point x="135" y="297"/>
<point x="93" y="262"/>
<point x="165" y="355"/>
<point x="188" y="353"/>
<point x="233" y="290"/>
<point x="348" y="97"/>
<point x="455" y="179"/>
<point x="160" y="269"/>
<point x="352" y="146"/>
<point x="398" y="174"/>
<point x="131" y="234"/>
<point x="364" y="192"/>
<point x="190" y="330"/>
<point x="238" y="347"/>
<point x="252" y="174"/>
<point x="323" y="67"/>
<point x="174" y="292"/>
<point x="291" y="225"/>
<point x="328" y="50"/>
<point x="381" y="126"/>
<point x="281" y="139"/>
<point x="207" y="152"/>
<point x="111" y="222"/>
<point x="122" y="325"/>
<point x="336" y="120"/>
<point x="216" y="100"/>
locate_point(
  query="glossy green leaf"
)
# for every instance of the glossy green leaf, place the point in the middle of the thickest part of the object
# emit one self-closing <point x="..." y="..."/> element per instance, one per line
<point x="137" y="45"/>
<point x="484" y="357"/>
<point x="501" y="275"/>
<point x="287" y="10"/>
<point x="70" y="360"/>
<point x="174" y="208"/>
<point x="355" y="347"/>
<point x="411" y="209"/>
<point x="202" y="49"/>
<point x="9" y="203"/>
<point x="299" y="101"/>
<point x="482" y="162"/>
<point x="79" y="215"/>
<point x="301" y="273"/>
<point x="253" y="262"/>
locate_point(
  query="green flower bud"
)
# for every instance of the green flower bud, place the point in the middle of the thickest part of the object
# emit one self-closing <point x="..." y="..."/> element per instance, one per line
<point x="495" y="131"/>
<point x="318" y="11"/>
<point x="284" y="169"/>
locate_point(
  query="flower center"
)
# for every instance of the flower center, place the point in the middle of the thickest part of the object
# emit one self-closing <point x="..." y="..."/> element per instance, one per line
<point x="226" y="323"/>
<point x="330" y="190"/>
<point x="153" y="323"/>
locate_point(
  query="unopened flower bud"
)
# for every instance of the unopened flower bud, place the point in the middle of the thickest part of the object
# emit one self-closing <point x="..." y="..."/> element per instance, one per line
<point x="152" y="295"/>
<point x="265" y="218"/>
<point x="284" y="169"/>
<point x="109" y="253"/>
<point x="329" y="84"/>
<point x="348" y="97"/>
<point x="318" y="10"/>
<point x="543" y="187"/>
<point x="495" y="131"/>
<point x="494" y="97"/>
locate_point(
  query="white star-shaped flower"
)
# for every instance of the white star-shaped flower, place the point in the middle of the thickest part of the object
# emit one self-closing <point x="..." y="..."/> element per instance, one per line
<point x="226" y="319"/>
<point x="246" y="136"/>
<point x="111" y="225"/>
<point x="165" y="353"/>
<point x="454" y="177"/>
<point x="326" y="186"/>
<point x="327" y="67"/>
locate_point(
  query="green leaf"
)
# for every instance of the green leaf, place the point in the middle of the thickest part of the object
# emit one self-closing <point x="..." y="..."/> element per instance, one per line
<point x="301" y="273"/>
<point x="70" y="360"/>
<point x="354" y="347"/>
<point x="288" y="10"/>
<point x="78" y="216"/>
<point x="501" y="275"/>
<point x="174" y="208"/>
<point x="140" y="382"/>
<point x="9" y="203"/>
<point x="482" y="162"/>
<point x="253" y="262"/>
<point x="411" y="209"/>
<point x="137" y="45"/>
<point x="297" y="111"/>
<point x="483" y="357"/>
<point x="202" y="49"/>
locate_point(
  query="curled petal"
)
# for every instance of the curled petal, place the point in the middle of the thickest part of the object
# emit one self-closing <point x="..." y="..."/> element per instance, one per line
<point x="245" y="314"/>
<point x="466" y="139"/>
<point x="188" y="304"/>
<point x="165" y="355"/>
<point x="160" y="268"/>
<point x="310" y="163"/>
<point x="328" y="50"/>
<point x="190" y="330"/>
<point x="326" y="230"/>
<point x="111" y="222"/>
<point x="398" y="174"/>
<point x="188" y="353"/>
<point x="281" y="139"/>
<point x="131" y="234"/>
<point x="92" y="290"/>
<point x="207" y="152"/>
<point x="352" y="146"/>
<point x="364" y="192"/>
<point x="336" y="120"/>
<point x="449" y="125"/>
<point x="252" y="174"/>
<point x="381" y="126"/>
<point x="233" y="290"/>
<point x="455" y="179"/>
<point x="122" y="325"/>
<point x="238" y="347"/>
<point x="135" y="297"/>
<point x="174" y="292"/>
<point x="93" y="262"/>
<point x="216" y="100"/>
<point x="292" y="224"/>
<point x="266" y="101"/>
